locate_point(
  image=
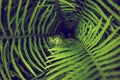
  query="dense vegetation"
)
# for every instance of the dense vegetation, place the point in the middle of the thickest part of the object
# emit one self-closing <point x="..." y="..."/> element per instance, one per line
<point x="59" y="40"/>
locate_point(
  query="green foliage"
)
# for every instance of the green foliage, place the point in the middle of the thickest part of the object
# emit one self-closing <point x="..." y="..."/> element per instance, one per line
<point x="29" y="52"/>
<point x="90" y="56"/>
<point x="22" y="54"/>
<point x="96" y="55"/>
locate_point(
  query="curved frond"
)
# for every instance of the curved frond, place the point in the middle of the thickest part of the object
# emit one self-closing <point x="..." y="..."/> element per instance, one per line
<point x="23" y="23"/>
<point x="59" y="40"/>
<point x="95" y="56"/>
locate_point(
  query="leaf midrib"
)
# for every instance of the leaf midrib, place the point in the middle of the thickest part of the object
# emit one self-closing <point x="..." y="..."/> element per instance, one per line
<point x="22" y="36"/>
<point x="95" y="62"/>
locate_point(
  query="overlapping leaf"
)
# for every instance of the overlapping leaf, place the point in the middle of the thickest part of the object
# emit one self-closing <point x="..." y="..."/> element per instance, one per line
<point x="22" y="27"/>
<point x="96" y="55"/>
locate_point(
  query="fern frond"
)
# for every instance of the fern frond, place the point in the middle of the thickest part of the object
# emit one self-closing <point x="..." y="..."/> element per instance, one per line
<point x="96" y="54"/>
<point x="20" y="38"/>
<point x="80" y="55"/>
<point x="36" y="41"/>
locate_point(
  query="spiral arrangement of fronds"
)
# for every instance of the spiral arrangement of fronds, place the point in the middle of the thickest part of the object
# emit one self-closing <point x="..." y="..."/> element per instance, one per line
<point x="28" y="28"/>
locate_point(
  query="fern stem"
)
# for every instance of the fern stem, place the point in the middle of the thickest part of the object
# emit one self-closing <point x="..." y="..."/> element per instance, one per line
<point x="95" y="62"/>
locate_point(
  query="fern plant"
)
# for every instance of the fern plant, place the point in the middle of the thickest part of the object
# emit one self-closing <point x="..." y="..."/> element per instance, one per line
<point x="23" y="23"/>
<point x="32" y="49"/>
